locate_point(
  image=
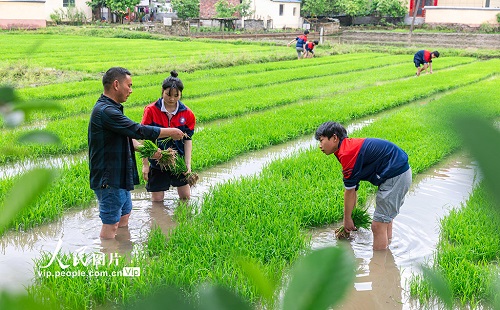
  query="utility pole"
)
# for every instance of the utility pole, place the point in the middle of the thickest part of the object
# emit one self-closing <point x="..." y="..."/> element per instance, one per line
<point x="415" y="10"/>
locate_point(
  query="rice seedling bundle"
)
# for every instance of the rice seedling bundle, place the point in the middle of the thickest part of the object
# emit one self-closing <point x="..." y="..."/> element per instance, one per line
<point x="180" y="169"/>
<point x="168" y="156"/>
<point x="361" y="219"/>
<point x="169" y="160"/>
<point x="147" y="149"/>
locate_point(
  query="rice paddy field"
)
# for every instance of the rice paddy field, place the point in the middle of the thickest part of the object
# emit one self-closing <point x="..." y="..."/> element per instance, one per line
<point x="247" y="97"/>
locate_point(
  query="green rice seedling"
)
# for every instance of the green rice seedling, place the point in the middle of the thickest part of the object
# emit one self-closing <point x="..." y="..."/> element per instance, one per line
<point x="264" y="216"/>
<point x="215" y="146"/>
<point x="180" y="169"/>
<point x="280" y="94"/>
<point x="83" y="59"/>
<point x="78" y="95"/>
<point x="147" y="149"/>
<point x="467" y="253"/>
<point x="177" y="164"/>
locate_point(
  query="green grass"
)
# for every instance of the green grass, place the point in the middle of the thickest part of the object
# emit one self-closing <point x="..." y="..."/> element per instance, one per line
<point x="264" y="217"/>
<point x="467" y="254"/>
<point x="397" y="92"/>
<point x="91" y="56"/>
<point x="213" y="144"/>
<point x="265" y="103"/>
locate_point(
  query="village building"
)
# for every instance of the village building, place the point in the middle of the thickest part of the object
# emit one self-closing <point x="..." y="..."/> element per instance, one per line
<point x="457" y="12"/>
<point x="271" y="14"/>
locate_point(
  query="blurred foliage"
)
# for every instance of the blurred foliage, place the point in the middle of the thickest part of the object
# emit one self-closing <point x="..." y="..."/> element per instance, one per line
<point x="482" y="140"/>
<point x="30" y="185"/>
<point x="319" y="280"/>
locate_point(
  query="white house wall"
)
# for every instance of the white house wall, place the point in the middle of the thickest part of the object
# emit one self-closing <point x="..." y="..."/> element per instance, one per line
<point x="34" y="13"/>
<point x="22" y="14"/>
<point x="52" y="6"/>
<point x="269" y="10"/>
<point x="460" y="15"/>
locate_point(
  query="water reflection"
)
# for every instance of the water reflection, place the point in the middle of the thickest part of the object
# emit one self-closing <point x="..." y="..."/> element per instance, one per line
<point x="377" y="284"/>
<point x="14" y="169"/>
<point x="415" y="229"/>
<point x="122" y="244"/>
<point x="162" y="216"/>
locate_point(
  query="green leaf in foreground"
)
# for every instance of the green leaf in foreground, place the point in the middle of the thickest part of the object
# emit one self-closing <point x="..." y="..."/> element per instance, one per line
<point x="214" y="297"/>
<point x="7" y="95"/>
<point x="24" y="192"/>
<point x="166" y="298"/>
<point x="11" y="301"/>
<point x="253" y="271"/>
<point x="320" y="280"/>
<point x="482" y="140"/>
<point x="211" y="297"/>
<point x="37" y="105"/>
<point x="39" y="137"/>
<point x="439" y="285"/>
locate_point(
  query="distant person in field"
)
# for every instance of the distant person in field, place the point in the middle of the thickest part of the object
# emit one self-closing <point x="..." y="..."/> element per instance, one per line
<point x="424" y="57"/>
<point x="169" y="112"/>
<point x="377" y="161"/>
<point x="112" y="164"/>
<point x="310" y="49"/>
<point x="300" y="45"/>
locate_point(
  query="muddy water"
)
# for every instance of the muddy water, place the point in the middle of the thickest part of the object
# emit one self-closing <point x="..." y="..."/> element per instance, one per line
<point x="53" y="162"/>
<point x="79" y="229"/>
<point x="381" y="278"/>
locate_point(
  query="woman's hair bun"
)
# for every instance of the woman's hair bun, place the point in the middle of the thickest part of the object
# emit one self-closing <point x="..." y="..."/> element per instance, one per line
<point x="174" y="73"/>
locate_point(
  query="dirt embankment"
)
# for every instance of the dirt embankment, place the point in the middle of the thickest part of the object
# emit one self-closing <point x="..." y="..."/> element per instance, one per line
<point x="449" y="40"/>
<point x="453" y="40"/>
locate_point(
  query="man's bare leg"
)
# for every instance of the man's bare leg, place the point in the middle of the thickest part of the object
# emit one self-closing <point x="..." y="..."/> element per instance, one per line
<point x="124" y="220"/>
<point x="108" y="231"/>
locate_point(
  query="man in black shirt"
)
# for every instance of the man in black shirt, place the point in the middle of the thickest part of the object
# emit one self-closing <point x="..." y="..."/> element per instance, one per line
<point x="113" y="169"/>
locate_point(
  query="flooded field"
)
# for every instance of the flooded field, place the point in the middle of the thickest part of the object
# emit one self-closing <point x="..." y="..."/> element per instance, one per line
<point x="381" y="276"/>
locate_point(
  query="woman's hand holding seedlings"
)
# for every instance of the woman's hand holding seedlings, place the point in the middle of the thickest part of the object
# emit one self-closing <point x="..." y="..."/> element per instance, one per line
<point x="157" y="155"/>
<point x="145" y="172"/>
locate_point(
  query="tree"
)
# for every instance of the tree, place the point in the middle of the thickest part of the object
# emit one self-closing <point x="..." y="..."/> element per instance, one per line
<point x="186" y="8"/>
<point x="392" y="8"/>
<point x="315" y="8"/>
<point x="120" y="7"/>
<point x="353" y="7"/>
<point x="225" y="10"/>
<point x="244" y="8"/>
<point x="96" y="6"/>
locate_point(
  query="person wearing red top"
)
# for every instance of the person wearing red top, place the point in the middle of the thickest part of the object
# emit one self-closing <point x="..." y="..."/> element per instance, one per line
<point x="377" y="161"/>
<point x="169" y="112"/>
<point x="424" y="57"/>
<point x="300" y="45"/>
<point x="310" y="49"/>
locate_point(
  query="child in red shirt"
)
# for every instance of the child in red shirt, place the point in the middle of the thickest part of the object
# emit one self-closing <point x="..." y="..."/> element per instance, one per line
<point x="310" y="49"/>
